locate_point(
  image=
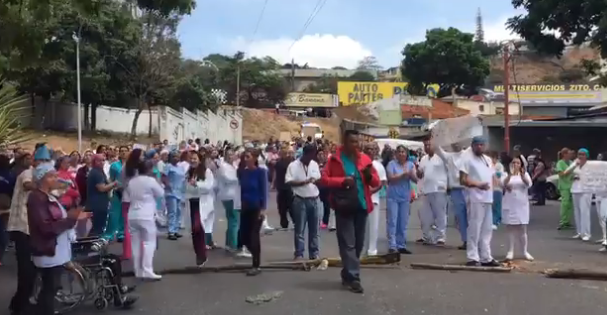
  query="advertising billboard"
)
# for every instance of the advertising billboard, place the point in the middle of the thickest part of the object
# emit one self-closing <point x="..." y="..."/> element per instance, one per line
<point x="311" y="100"/>
<point x="363" y="93"/>
<point x="553" y="93"/>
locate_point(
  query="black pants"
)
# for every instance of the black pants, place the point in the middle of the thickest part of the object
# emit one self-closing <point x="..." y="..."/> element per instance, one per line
<point x="51" y="283"/>
<point x="284" y="201"/>
<point x="249" y="232"/>
<point x="351" y="228"/>
<point x="26" y="273"/>
<point x="99" y="222"/>
<point x="540" y="192"/>
<point x="326" y="206"/>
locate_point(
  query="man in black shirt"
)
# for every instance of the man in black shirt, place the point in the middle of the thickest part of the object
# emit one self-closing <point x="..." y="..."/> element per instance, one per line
<point x="284" y="197"/>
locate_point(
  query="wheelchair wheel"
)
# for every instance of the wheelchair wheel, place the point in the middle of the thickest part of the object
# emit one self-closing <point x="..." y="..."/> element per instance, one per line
<point x="72" y="292"/>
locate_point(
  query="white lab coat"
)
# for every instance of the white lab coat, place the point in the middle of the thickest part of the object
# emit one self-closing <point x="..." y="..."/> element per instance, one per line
<point x="228" y="184"/>
<point x="203" y="189"/>
<point x="515" y="203"/>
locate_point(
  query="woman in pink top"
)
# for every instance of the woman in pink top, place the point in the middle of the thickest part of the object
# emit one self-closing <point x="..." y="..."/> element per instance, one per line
<point x="69" y="195"/>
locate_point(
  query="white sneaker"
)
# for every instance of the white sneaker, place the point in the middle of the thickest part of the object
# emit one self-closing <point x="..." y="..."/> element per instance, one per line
<point x="152" y="277"/>
<point x="603" y="249"/>
<point x="244" y="253"/>
<point x="586" y="238"/>
<point x="601" y="241"/>
<point x="371" y="252"/>
<point x="577" y="236"/>
<point x="510" y="256"/>
<point x="494" y="227"/>
<point x="528" y="257"/>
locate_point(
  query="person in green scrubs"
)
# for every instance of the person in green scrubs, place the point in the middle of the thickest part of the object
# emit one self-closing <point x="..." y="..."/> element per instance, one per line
<point x="564" y="187"/>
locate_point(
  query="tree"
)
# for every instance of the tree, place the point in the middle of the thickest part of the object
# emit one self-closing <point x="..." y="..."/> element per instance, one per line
<point x="448" y="58"/>
<point x="363" y="75"/>
<point x="11" y="110"/>
<point x="575" y="21"/>
<point x="479" y="35"/>
<point x="326" y="84"/>
<point x="370" y="64"/>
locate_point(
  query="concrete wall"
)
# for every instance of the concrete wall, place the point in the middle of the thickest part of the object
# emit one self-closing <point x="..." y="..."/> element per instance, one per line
<point x="560" y="111"/>
<point x="166" y="123"/>
<point x="488" y="108"/>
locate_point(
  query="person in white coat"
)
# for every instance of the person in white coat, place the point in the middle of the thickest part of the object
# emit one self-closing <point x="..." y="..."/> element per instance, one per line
<point x="582" y="201"/>
<point x="515" y="207"/>
<point x="143" y="189"/>
<point x="200" y="194"/>
<point x="229" y="194"/>
<point x="477" y="175"/>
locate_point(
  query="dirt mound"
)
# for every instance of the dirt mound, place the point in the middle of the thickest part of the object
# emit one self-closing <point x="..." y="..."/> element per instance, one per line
<point x="261" y="125"/>
<point x="354" y="112"/>
<point x="531" y="68"/>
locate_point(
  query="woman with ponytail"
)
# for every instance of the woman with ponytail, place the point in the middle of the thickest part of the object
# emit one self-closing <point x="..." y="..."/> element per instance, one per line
<point x="200" y="195"/>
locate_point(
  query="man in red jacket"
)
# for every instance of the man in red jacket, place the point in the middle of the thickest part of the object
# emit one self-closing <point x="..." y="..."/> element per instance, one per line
<point x="349" y="175"/>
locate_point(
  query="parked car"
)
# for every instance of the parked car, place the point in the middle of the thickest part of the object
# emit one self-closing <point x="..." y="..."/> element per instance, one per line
<point x="552" y="192"/>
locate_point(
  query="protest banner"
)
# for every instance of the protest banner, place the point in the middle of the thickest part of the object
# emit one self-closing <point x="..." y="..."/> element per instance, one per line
<point x="593" y="177"/>
<point x="456" y="130"/>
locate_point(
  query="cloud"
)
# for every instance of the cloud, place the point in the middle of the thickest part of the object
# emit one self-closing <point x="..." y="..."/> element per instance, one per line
<point x="497" y="31"/>
<point x="322" y="51"/>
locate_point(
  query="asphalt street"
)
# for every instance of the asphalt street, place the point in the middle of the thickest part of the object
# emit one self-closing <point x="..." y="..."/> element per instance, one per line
<point x="394" y="290"/>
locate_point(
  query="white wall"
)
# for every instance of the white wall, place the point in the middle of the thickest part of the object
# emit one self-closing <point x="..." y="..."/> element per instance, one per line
<point x="166" y="122"/>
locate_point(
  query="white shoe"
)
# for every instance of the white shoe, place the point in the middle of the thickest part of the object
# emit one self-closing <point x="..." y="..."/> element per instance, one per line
<point x="528" y="257"/>
<point x="601" y="241"/>
<point x="244" y="253"/>
<point x="577" y="236"/>
<point x="494" y="227"/>
<point x="152" y="277"/>
<point x="586" y="238"/>
<point x="510" y="256"/>
<point x="603" y="249"/>
<point x="371" y="252"/>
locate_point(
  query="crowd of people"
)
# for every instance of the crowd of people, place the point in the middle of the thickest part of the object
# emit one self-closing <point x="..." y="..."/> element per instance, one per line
<point x="126" y="194"/>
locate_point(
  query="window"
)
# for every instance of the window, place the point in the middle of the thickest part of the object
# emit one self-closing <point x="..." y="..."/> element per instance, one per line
<point x="481" y="108"/>
<point x="499" y="111"/>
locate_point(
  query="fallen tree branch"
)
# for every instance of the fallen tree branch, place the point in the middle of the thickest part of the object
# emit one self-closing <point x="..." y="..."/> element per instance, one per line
<point x="459" y="268"/>
<point x="190" y="270"/>
<point x="580" y="274"/>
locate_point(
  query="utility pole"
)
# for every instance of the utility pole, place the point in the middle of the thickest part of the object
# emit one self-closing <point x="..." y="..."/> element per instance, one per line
<point x="238" y="84"/>
<point x="76" y="39"/>
<point x="506" y="55"/>
<point x="292" y="75"/>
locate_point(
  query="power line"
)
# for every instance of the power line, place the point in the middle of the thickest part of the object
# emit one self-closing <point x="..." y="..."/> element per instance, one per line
<point x="263" y="10"/>
<point x="319" y="5"/>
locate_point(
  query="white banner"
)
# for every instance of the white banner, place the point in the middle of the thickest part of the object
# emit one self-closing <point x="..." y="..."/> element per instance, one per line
<point x="456" y="130"/>
<point x="593" y="177"/>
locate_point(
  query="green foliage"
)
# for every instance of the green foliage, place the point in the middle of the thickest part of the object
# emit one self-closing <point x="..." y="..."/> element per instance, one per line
<point x="12" y="110"/>
<point x="363" y="75"/>
<point x="575" y="22"/>
<point x="448" y="58"/>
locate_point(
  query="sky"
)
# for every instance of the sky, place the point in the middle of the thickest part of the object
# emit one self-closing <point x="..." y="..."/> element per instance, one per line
<point x="342" y="32"/>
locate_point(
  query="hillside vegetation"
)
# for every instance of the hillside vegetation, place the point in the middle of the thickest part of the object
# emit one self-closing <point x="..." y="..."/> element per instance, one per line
<point x="531" y="68"/>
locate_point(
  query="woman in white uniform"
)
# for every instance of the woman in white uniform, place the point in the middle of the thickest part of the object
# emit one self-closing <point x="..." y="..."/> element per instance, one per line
<point x="201" y="197"/>
<point x="582" y="201"/>
<point x="515" y="207"/>
<point x="143" y="190"/>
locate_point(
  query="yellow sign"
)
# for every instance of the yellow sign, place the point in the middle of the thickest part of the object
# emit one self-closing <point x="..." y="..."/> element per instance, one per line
<point x="360" y="93"/>
<point x="549" y="88"/>
<point x="311" y="100"/>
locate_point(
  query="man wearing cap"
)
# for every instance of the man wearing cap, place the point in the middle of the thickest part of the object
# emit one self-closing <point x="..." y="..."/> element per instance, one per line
<point x="477" y="175"/>
<point x="302" y="175"/>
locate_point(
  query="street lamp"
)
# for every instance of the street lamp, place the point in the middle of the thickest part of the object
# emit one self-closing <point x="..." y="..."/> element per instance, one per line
<point x="77" y="40"/>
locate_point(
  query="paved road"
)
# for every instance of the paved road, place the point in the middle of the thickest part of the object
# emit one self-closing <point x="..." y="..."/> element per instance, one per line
<point x="388" y="291"/>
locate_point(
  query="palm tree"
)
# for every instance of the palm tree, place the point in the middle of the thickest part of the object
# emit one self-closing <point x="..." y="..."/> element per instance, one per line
<point x="12" y="109"/>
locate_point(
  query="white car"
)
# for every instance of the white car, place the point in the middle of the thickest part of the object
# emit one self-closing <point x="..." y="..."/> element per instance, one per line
<point x="552" y="192"/>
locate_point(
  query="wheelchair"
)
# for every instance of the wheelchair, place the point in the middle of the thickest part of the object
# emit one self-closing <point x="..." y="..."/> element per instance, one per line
<point x="87" y="277"/>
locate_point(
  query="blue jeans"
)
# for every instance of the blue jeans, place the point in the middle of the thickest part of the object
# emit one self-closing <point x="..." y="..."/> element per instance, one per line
<point x="173" y="214"/>
<point x="305" y="212"/>
<point x="397" y="217"/>
<point x="497" y="207"/>
<point x="461" y="212"/>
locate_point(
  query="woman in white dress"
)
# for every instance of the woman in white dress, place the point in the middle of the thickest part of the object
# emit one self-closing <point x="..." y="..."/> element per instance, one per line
<point x="515" y="207"/>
